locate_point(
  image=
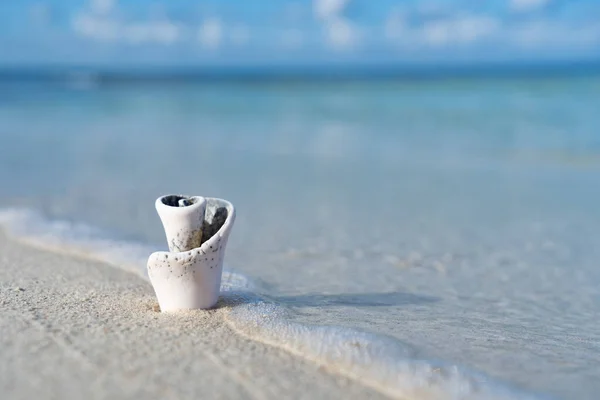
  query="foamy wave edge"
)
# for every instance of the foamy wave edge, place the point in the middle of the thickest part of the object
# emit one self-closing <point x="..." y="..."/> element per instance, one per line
<point x="377" y="361"/>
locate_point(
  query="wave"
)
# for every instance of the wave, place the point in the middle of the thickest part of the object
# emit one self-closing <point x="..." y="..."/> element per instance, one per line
<point x="380" y="362"/>
<point x="85" y="241"/>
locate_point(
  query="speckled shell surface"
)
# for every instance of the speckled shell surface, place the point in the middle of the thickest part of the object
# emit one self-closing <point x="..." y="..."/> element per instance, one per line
<point x="182" y="225"/>
<point x="191" y="279"/>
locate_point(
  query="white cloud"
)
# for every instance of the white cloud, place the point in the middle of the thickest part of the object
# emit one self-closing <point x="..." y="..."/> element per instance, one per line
<point x="107" y="30"/>
<point x="164" y="32"/>
<point x="459" y="29"/>
<point x="404" y="28"/>
<point x="429" y="24"/>
<point x="99" y="23"/>
<point x="339" y="31"/>
<point x="527" y="5"/>
<point x="539" y="34"/>
<point x="103" y="7"/>
<point x="210" y="33"/>
<point x="341" y="34"/>
<point x="101" y="29"/>
<point x="327" y="9"/>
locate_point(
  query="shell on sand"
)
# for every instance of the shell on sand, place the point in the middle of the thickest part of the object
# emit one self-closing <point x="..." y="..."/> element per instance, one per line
<point x="182" y="218"/>
<point x="191" y="277"/>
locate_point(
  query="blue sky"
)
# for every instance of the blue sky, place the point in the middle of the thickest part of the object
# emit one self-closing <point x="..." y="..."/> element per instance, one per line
<point x="247" y="32"/>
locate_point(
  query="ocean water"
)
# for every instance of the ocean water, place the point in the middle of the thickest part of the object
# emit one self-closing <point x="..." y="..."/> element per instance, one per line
<point x="435" y="239"/>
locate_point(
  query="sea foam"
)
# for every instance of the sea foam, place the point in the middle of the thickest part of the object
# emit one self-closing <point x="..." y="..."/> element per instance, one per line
<point x="380" y="362"/>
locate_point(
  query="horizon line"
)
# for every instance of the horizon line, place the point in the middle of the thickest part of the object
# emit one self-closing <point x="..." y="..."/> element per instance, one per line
<point x="220" y="73"/>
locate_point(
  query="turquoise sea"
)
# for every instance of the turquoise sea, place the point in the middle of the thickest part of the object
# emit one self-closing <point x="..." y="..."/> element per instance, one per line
<point x="450" y="227"/>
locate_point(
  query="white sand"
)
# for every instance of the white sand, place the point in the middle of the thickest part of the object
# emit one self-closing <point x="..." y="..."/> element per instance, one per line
<point x="76" y="329"/>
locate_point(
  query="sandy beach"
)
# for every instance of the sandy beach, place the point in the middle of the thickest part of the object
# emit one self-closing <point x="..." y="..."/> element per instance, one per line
<point x="72" y="328"/>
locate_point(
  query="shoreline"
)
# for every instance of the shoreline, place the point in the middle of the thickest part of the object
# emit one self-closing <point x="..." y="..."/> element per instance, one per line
<point x="77" y="328"/>
<point x="381" y="365"/>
